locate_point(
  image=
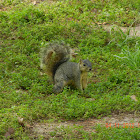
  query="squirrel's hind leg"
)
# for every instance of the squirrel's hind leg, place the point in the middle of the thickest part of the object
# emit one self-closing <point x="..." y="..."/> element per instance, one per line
<point x="58" y="87"/>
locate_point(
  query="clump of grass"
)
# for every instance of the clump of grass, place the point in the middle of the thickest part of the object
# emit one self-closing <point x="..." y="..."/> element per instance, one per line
<point x="130" y="58"/>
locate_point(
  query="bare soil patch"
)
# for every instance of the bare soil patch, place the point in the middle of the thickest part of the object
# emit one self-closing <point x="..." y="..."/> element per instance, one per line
<point x="119" y="121"/>
<point x="133" y="31"/>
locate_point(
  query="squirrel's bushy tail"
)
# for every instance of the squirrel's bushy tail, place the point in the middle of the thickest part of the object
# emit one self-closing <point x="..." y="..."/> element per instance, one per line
<point x="53" y="55"/>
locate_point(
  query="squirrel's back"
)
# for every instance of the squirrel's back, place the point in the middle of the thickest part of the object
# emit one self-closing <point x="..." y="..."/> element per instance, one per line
<point x="67" y="70"/>
<point x="71" y="73"/>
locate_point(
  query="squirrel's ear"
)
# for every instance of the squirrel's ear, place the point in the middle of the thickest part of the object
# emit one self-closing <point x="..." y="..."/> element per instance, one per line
<point x="81" y="61"/>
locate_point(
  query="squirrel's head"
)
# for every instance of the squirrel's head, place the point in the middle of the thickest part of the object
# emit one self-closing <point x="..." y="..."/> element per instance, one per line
<point x="85" y="65"/>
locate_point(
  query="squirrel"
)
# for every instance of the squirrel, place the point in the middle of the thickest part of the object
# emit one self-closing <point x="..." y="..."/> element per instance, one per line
<point x="55" y="60"/>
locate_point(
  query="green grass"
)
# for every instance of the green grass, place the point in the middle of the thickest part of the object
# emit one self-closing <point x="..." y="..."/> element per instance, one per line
<point x="25" y="93"/>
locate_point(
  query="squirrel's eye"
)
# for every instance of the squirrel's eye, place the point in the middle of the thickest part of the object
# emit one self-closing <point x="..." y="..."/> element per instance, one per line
<point x="84" y="65"/>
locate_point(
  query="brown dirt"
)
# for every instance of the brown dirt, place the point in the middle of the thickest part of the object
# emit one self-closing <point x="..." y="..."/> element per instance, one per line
<point x="121" y="120"/>
<point x="134" y="31"/>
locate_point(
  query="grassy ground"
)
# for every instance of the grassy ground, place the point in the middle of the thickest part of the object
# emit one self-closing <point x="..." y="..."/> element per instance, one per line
<point x="25" y="93"/>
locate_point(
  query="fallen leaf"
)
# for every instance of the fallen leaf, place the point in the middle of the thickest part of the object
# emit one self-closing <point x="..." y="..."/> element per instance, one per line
<point x="34" y="2"/>
<point x="73" y="54"/>
<point x="91" y="99"/>
<point x="20" y="121"/>
<point x="133" y="97"/>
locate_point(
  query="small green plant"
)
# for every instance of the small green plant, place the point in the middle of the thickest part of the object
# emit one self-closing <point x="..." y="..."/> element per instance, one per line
<point x="130" y="58"/>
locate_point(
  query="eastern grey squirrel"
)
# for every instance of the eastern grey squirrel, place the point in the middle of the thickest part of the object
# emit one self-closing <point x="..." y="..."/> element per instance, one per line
<point x="55" y="60"/>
